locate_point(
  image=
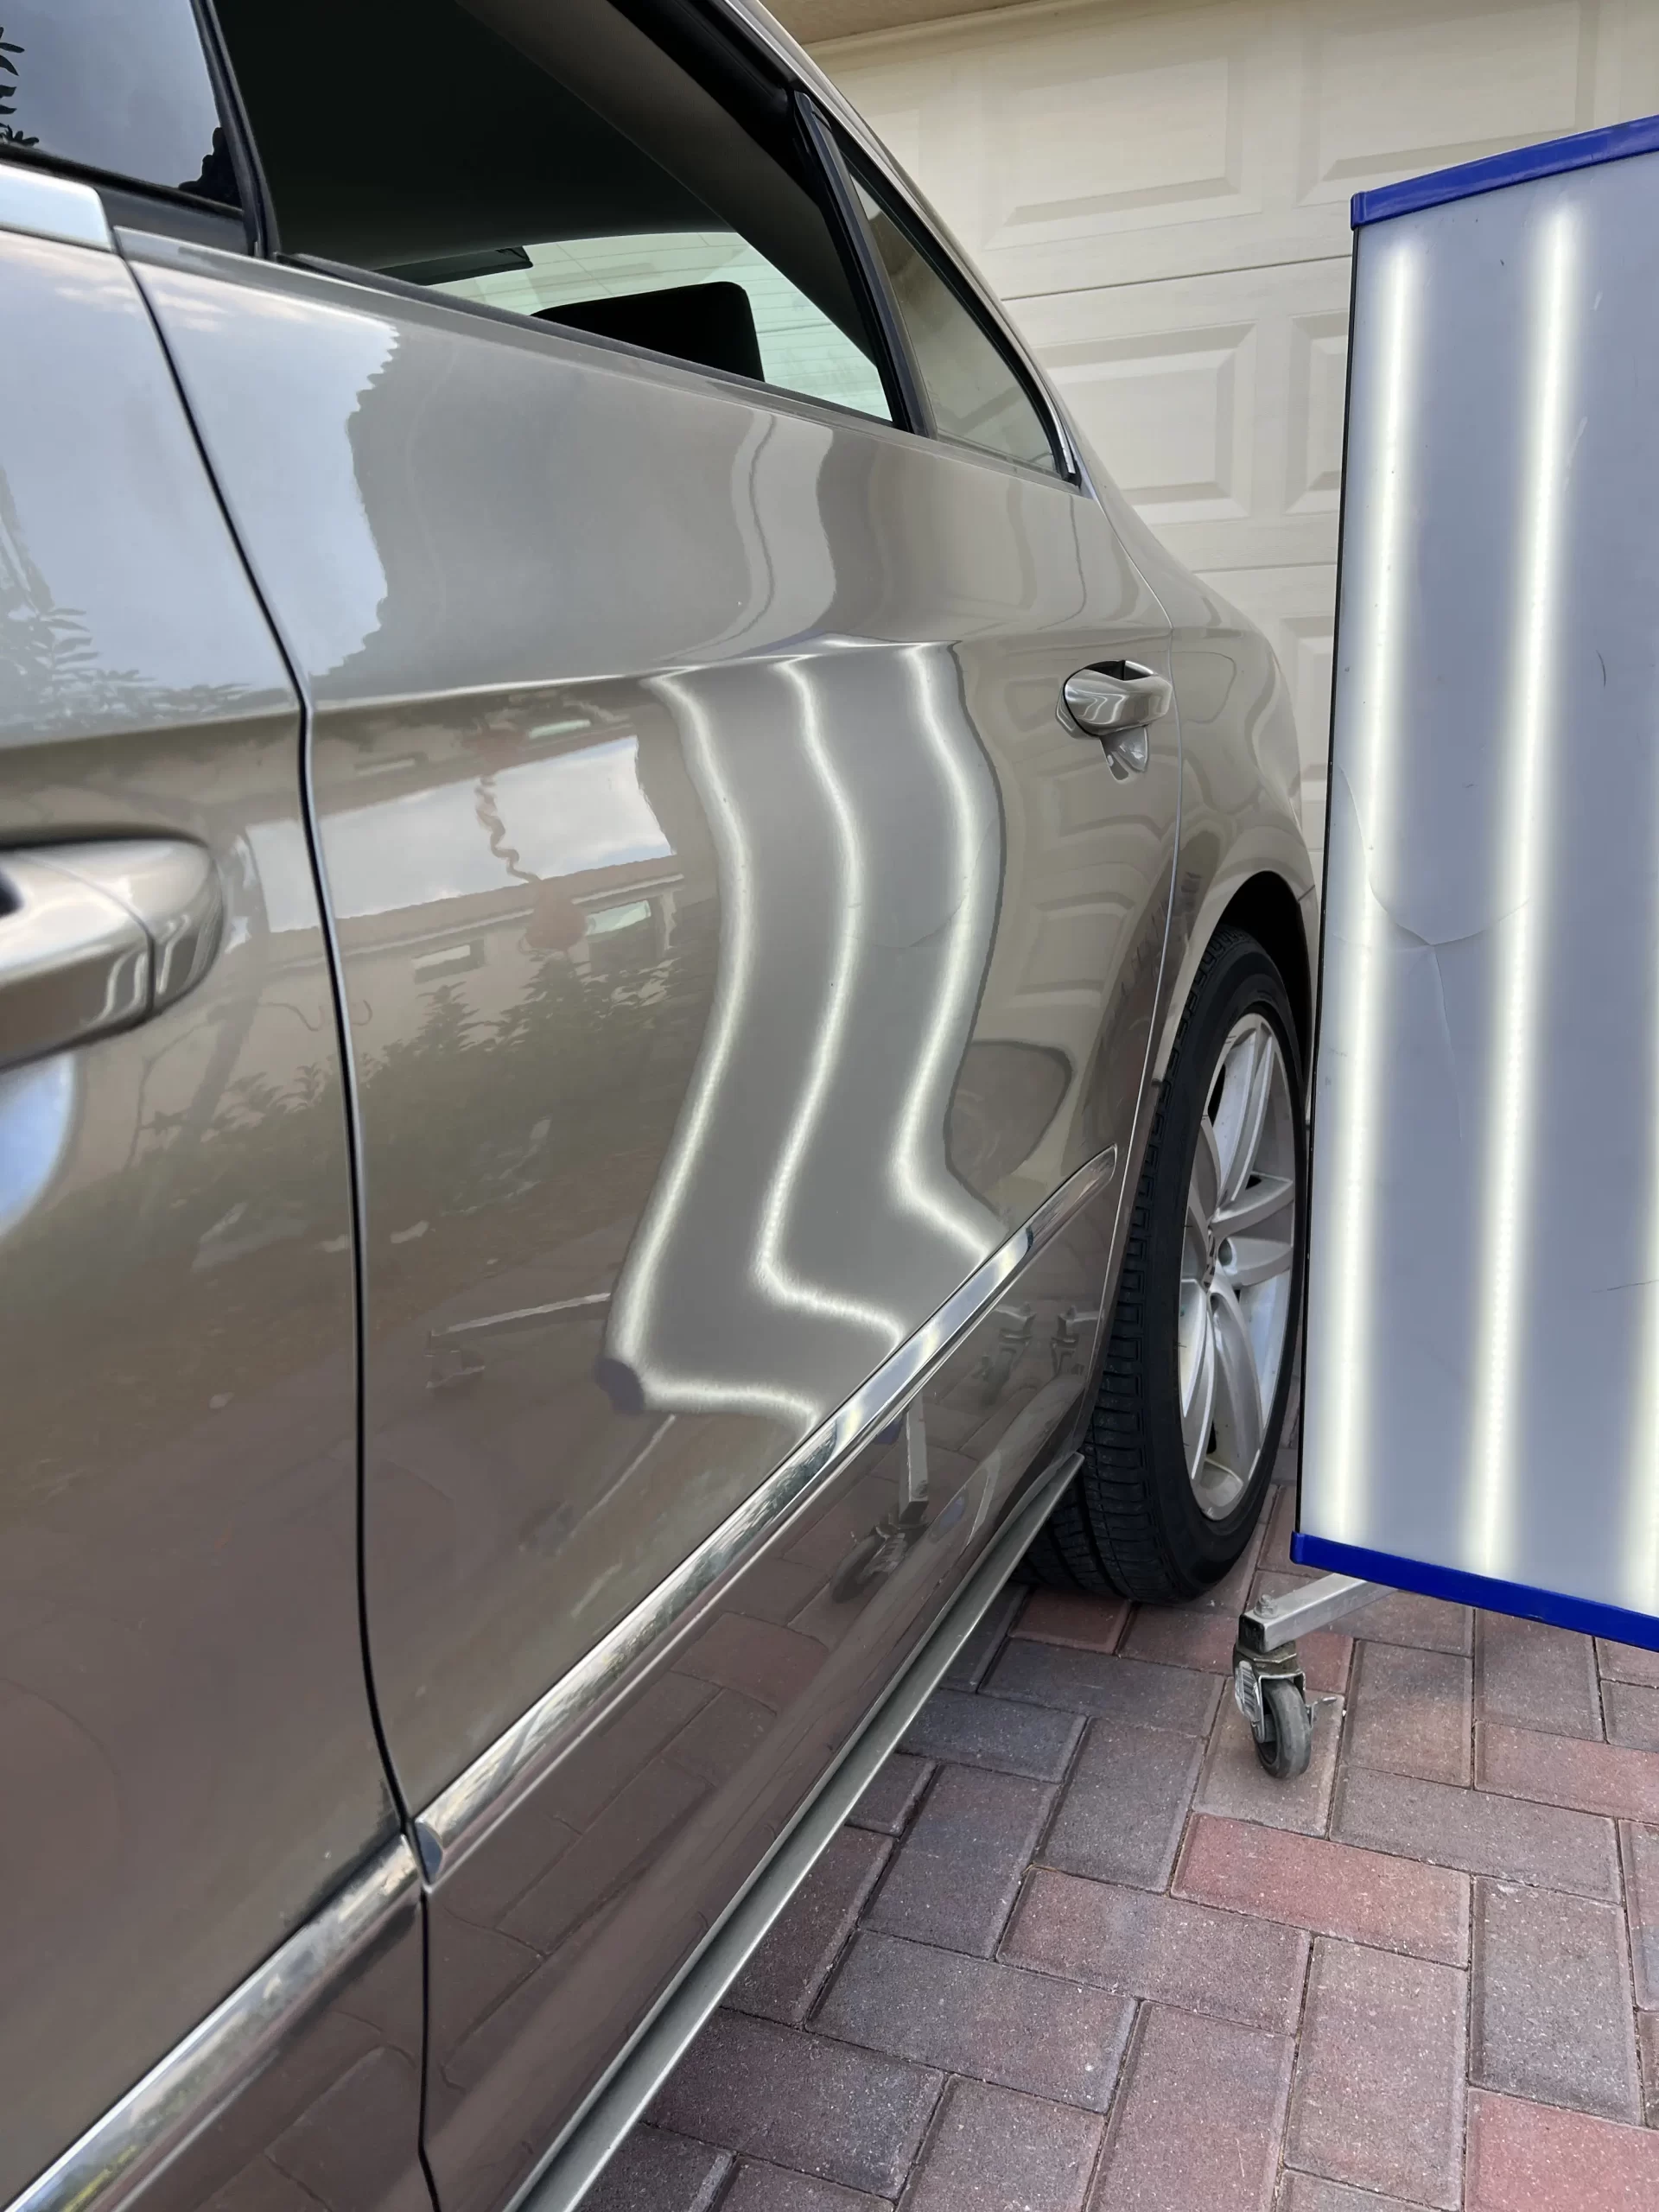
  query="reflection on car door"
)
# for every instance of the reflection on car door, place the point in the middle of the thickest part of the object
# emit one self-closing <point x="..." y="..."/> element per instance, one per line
<point x="738" y="952"/>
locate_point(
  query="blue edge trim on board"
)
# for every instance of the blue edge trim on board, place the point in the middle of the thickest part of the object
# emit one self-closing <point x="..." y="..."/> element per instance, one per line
<point x="1584" y="1614"/>
<point x="1584" y="151"/>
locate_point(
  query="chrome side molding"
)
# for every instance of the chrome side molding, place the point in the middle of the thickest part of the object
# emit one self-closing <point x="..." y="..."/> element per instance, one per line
<point x="184" y="2092"/>
<point x="576" y="2161"/>
<point x="463" y="1812"/>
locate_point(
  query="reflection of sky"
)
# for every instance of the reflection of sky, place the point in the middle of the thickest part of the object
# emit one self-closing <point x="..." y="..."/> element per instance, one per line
<point x="36" y="1107"/>
<point x="563" y="816"/>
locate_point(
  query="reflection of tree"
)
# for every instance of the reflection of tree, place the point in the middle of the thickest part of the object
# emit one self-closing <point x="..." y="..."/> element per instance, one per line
<point x="51" y="678"/>
<point x="9" y="135"/>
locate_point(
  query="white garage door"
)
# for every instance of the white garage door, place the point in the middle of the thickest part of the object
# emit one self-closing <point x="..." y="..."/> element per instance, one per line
<point x="1161" y="193"/>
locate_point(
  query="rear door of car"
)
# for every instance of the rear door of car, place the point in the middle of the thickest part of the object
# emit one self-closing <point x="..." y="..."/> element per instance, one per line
<point x="739" y="950"/>
<point x="196" y="1817"/>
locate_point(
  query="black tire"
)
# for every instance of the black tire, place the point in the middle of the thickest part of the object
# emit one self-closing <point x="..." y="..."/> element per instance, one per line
<point x="1288" y="1746"/>
<point x="1130" y="1524"/>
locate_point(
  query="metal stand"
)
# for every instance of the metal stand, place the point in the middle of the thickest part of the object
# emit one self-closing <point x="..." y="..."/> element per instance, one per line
<point x="1268" y="1681"/>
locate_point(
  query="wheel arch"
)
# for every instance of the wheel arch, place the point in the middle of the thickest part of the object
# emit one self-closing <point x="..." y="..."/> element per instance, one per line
<point x="1263" y="901"/>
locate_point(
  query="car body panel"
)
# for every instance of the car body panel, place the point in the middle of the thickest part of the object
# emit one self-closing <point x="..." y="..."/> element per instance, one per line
<point x="188" y="1759"/>
<point x="736" y="942"/>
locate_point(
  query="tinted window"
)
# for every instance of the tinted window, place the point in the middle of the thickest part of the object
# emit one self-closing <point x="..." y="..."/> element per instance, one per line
<point x="553" y="161"/>
<point x="119" y="85"/>
<point x="973" y="390"/>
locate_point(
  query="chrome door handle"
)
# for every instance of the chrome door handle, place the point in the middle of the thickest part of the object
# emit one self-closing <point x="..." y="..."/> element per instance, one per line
<point x="95" y="937"/>
<point x="1114" y="701"/>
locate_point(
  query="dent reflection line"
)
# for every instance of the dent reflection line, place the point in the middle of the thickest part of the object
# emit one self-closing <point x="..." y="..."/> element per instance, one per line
<point x="464" y="1812"/>
<point x="636" y="1293"/>
<point x="199" y="2076"/>
<point x="852" y="910"/>
<point x="1523" y="850"/>
<point x="967" y="946"/>
<point x="1354" y="1143"/>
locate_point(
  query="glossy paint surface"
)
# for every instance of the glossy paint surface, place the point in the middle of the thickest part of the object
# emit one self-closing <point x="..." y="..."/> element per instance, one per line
<point x="185" y="1741"/>
<point x="735" y="942"/>
<point x="555" y="1936"/>
<point x="1482" y="1378"/>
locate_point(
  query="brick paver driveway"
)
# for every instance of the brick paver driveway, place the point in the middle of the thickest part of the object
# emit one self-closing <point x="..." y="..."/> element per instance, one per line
<point x="1075" y="1948"/>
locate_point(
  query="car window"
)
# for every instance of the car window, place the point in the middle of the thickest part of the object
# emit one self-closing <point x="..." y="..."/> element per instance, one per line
<point x="117" y="85"/>
<point x="555" y="162"/>
<point x="973" y="390"/>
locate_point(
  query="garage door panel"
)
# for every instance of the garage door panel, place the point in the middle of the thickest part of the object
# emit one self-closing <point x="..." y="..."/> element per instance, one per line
<point x="1099" y="144"/>
<point x="1216" y="401"/>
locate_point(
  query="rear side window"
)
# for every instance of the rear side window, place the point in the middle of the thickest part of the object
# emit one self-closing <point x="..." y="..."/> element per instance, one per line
<point x="976" y="394"/>
<point x="548" y="158"/>
<point x="120" y="86"/>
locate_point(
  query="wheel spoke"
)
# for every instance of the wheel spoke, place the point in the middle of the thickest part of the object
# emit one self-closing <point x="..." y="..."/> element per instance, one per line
<point x="1204" y="1188"/>
<point x="1238" y="1415"/>
<point x="1267" y="1195"/>
<point x="1197" y="1407"/>
<point x="1247" y="1260"/>
<point x="1264" y="1055"/>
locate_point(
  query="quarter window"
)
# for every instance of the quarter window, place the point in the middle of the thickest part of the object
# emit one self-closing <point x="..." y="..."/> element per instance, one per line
<point x="555" y="162"/>
<point x="976" y="394"/>
<point x="120" y="86"/>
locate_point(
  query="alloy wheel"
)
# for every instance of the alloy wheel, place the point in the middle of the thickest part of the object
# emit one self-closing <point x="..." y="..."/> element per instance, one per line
<point x="1237" y="1248"/>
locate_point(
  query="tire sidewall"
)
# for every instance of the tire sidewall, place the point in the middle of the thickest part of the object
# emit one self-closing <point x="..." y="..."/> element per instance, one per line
<point x="1240" y="977"/>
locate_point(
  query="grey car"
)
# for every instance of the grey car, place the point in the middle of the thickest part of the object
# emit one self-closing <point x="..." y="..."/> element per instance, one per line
<point x="654" y="988"/>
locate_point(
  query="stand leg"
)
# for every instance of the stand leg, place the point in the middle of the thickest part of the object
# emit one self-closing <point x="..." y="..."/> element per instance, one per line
<point x="1268" y="1680"/>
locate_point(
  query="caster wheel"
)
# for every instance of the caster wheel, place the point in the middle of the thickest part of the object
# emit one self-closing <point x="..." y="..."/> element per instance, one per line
<point x="1287" y="1744"/>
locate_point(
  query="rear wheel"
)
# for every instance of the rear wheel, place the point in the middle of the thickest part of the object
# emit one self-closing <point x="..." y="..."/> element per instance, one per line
<point x="1181" y="1440"/>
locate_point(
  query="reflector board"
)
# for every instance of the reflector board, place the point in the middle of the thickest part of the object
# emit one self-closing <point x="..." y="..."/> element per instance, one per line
<point x="1482" y="1383"/>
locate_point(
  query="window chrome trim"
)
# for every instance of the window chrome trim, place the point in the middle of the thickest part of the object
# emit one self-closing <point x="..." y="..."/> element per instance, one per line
<point x="43" y="206"/>
<point x="465" y="1812"/>
<point x="201" y="2076"/>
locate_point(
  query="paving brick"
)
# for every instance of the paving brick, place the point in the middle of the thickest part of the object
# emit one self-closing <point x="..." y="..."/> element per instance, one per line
<point x="967" y="1670"/>
<point x="1404" y="1618"/>
<point x="1311" y="2193"/>
<point x="993" y="2150"/>
<point x="1632" y="1711"/>
<point x="1234" y="1782"/>
<point x="1483" y="1834"/>
<point x="1334" y="1888"/>
<point x="1274" y="1554"/>
<point x="1530" y="2157"/>
<point x="1411" y="1713"/>
<point x="1174" y="1636"/>
<point x="1001" y="2024"/>
<point x="1085" y="1623"/>
<point x="1378" y="2096"/>
<point x="1536" y="1676"/>
<point x="774" y="2188"/>
<point x="1639" y="1848"/>
<point x="895" y="1792"/>
<point x="822" y="2107"/>
<point x="1114" y="1689"/>
<point x="785" y="1974"/>
<point x="656" y="2172"/>
<point x="1121" y="1817"/>
<point x="1647" y="2052"/>
<point x="1143" y="1945"/>
<point x="1627" y="1662"/>
<point x="958" y="1871"/>
<point x="979" y="1730"/>
<point x="1551" y="2015"/>
<point x="1565" y="1770"/>
<point x="1199" y="2119"/>
<point x="1327" y="1654"/>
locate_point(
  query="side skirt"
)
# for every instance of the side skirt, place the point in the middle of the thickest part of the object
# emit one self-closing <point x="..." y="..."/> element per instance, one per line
<point x="578" y="2159"/>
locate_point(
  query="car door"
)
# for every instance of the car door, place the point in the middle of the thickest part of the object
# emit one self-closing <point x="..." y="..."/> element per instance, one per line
<point x="199" y="1862"/>
<point x="739" y="953"/>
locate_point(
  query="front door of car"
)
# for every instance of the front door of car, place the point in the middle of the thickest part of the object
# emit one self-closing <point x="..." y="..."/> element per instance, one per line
<point x="737" y="949"/>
